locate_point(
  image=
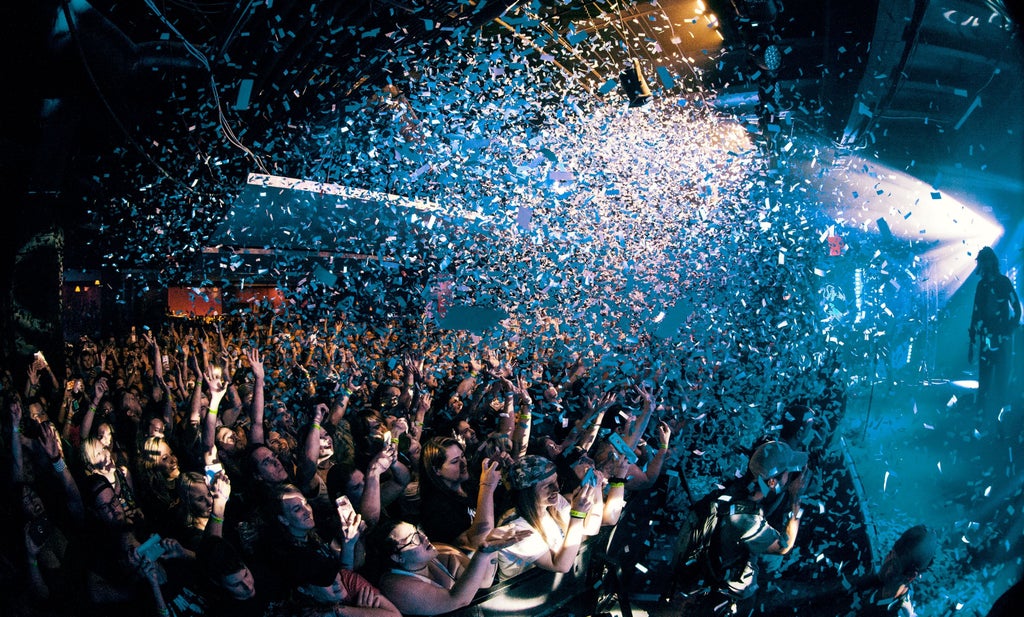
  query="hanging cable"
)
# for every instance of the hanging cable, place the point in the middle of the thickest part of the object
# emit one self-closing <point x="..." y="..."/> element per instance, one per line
<point x="225" y="126"/>
<point x="76" y="37"/>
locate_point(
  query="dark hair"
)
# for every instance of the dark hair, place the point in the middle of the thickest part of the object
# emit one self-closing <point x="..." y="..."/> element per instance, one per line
<point x="432" y="457"/>
<point x="218" y="558"/>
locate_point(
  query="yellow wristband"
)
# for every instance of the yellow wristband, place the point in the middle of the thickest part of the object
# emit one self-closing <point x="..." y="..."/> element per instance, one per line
<point x="213" y="411"/>
<point x="577" y="514"/>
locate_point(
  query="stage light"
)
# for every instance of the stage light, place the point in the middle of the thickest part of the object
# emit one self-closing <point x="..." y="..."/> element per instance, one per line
<point x="634" y="85"/>
<point x="766" y="53"/>
<point x="757" y="11"/>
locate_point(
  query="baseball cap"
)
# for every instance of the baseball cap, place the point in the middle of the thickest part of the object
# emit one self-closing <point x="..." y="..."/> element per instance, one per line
<point x="775" y="457"/>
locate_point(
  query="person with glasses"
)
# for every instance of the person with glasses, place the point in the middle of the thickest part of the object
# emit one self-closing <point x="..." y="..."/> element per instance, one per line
<point x="427" y="579"/>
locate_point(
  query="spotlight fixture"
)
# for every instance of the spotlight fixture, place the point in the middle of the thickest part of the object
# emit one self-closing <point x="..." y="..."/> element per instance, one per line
<point x="766" y="53"/>
<point x="757" y="11"/>
<point x="634" y="85"/>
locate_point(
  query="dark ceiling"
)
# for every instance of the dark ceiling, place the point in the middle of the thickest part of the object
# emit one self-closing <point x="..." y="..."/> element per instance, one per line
<point x="193" y="93"/>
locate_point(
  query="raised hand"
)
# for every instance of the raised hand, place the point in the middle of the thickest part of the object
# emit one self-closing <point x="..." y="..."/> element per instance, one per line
<point x="664" y="434"/>
<point x="400" y="425"/>
<point x="49" y="440"/>
<point x="503" y="537"/>
<point x="645" y="392"/>
<point x="351" y="523"/>
<point x="15" y="409"/>
<point x="383" y="461"/>
<point x="490" y="473"/>
<point x="221" y="488"/>
<point x="100" y="389"/>
<point x="319" y="412"/>
<point x="584" y="497"/>
<point x="253" y="356"/>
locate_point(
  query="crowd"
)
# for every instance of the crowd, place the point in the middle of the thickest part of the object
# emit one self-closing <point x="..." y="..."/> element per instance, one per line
<point x="245" y="468"/>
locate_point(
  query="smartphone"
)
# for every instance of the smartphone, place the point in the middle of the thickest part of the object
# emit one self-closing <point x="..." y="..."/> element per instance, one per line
<point x="151" y="548"/>
<point x="622" y="447"/>
<point x="212" y="471"/>
<point x="345" y="508"/>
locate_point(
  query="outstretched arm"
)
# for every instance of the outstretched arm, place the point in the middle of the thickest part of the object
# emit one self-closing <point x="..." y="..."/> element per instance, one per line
<point x="256" y="430"/>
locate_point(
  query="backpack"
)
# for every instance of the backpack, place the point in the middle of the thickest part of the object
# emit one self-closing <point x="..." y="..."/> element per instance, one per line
<point x="698" y="557"/>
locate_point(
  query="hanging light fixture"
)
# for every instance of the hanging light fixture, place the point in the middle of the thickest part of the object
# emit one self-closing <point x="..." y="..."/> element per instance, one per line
<point x="634" y="85"/>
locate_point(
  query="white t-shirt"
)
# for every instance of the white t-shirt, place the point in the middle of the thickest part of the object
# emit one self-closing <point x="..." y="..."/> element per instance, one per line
<point x="521" y="556"/>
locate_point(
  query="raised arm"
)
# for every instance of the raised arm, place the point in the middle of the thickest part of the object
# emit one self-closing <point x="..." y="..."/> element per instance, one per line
<point x="256" y="429"/>
<point x="311" y="449"/>
<point x="483" y="520"/>
<point x="99" y="390"/>
<point x="523" y="418"/>
<point x="638" y="479"/>
<point x="17" y="455"/>
<point x="216" y="381"/>
<point x="562" y="558"/>
<point x="647" y="395"/>
<point x="50" y="441"/>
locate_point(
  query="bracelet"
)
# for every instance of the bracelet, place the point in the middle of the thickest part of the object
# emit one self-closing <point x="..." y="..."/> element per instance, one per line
<point x="163" y="612"/>
<point x="419" y="423"/>
<point x="213" y="411"/>
<point x="92" y="407"/>
<point x="474" y="373"/>
<point x="663" y="446"/>
<point x="33" y="563"/>
<point x="619" y="484"/>
<point x="346" y="392"/>
<point x="216" y="519"/>
<point x="394" y="440"/>
<point x="317" y="426"/>
<point x="577" y="514"/>
<point x="60" y="465"/>
<point x="798" y="515"/>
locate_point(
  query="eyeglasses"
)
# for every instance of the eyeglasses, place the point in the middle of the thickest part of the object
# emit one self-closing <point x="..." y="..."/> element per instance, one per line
<point x="416" y="539"/>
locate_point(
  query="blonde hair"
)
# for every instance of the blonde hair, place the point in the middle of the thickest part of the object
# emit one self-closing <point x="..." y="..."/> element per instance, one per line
<point x="93" y="452"/>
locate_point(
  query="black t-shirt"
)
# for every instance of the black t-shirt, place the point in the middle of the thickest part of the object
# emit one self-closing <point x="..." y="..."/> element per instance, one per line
<point x="443" y="515"/>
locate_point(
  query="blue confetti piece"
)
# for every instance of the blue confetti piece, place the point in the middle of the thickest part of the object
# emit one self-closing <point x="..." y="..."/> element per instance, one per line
<point x="665" y="77"/>
<point x="575" y="39"/>
<point x="608" y="86"/>
<point x="244" y="92"/>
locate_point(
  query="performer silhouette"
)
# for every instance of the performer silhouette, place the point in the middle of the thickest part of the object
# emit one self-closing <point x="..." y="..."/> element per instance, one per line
<point x="995" y="316"/>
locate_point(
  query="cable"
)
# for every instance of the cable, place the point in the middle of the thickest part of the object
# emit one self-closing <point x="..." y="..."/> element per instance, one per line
<point x="76" y="37"/>
<point x="226" y="129"/>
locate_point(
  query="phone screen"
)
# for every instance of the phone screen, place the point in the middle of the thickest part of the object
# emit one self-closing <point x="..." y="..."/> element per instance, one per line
<point x="622" y="447"/>
<point x="345" y="508"/>
<point x="212" y="471"/>
<point x="151" y="548"/>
